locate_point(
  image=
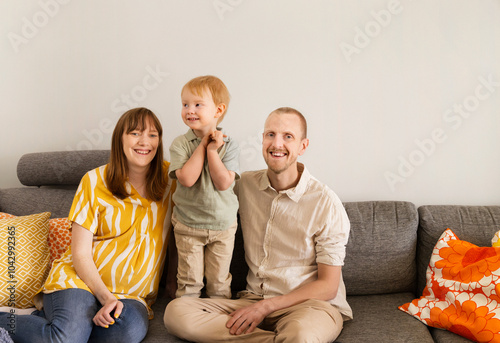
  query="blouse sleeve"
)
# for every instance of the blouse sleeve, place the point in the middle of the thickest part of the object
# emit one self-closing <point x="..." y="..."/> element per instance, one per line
<point x="84" y="210"/>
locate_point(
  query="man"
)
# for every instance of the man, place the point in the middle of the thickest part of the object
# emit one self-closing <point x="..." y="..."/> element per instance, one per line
<point x="294" y="230"/>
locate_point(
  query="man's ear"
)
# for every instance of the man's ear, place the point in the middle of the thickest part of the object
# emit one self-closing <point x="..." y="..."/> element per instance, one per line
<point x="303" y="146"/>
<point x="221" y="108"/>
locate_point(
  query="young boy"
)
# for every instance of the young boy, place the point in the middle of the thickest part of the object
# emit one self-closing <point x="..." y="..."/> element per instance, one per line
<point x="205" y="163"/>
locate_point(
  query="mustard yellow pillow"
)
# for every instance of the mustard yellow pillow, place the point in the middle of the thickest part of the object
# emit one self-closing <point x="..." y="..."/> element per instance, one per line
<point x="59" y="235"/>
<point x="24" y="258"/>
<point x="495" y="241"/>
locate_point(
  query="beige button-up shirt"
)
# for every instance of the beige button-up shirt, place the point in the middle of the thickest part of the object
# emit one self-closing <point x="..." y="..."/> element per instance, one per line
<point x="286" y="234"/>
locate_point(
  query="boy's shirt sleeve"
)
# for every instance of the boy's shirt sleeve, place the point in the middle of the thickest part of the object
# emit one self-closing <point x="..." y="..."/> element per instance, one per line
<point x="231" y="158"/>
<point x="178" y="156"/>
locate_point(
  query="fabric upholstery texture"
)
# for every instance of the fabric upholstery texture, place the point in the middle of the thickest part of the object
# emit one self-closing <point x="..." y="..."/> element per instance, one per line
<point x="25" y="258"/>
<point x="376" y="320"/>
<point x="59" y="167"/>
<point x="444" y="336"/>
<point x="380" y="254"/>
<point x="28" y="200"/>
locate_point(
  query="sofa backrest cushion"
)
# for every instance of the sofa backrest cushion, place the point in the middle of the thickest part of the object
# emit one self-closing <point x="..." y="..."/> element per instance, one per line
<point x="56" y="176"/>
<point x="24" y="201"/>
<point x="58" y="167"/>
<point x="474" y="224"/>
<point x="380" y="254"/>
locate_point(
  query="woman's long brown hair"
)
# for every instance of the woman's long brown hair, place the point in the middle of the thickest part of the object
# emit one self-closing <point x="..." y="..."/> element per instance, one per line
<point x="117" y="171"/>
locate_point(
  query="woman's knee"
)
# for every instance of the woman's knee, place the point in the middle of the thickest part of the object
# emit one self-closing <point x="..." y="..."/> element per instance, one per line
<point x="134" y="319"/>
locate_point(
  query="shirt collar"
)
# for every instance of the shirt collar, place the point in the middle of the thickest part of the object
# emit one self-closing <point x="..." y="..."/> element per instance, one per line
<point x="191" y="136"/>
<point x="294" y="193"/>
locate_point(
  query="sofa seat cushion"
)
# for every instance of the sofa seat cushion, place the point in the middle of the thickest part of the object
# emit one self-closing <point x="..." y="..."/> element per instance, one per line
<point x="377" y="319"/>
<point x="444" y="336"/>
<point x="157" y="333"/>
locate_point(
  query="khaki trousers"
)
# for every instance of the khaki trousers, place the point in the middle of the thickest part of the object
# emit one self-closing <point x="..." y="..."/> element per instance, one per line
<point x="204" y="253"/>
<point x="204" y="320"/>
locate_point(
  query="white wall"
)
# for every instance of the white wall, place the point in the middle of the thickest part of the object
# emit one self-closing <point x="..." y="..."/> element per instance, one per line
<point x="402" y="97"/>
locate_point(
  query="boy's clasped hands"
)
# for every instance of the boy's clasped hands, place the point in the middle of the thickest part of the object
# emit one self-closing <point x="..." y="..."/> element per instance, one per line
<point x="213" y="140"/>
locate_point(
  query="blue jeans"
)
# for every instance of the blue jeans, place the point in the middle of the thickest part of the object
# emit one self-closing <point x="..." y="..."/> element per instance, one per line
<point x="67" y="317"/>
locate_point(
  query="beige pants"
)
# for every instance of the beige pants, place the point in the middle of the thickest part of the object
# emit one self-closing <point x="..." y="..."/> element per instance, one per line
<point x="204" y="320"/>
<point x="204" y="253"/>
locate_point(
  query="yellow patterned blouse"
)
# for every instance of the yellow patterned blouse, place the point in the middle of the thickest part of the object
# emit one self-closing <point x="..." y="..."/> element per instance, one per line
<point x="130" y="240"/>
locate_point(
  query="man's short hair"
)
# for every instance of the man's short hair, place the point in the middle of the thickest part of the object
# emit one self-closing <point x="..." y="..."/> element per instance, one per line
<point x="290" y="110"/>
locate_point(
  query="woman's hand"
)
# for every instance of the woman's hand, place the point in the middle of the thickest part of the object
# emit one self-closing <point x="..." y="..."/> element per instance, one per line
<point x="103" y="316"/>
<point x="81" y="248"/>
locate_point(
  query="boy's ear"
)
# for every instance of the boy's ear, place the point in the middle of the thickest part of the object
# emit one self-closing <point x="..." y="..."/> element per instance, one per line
<point x="221" y="108"/>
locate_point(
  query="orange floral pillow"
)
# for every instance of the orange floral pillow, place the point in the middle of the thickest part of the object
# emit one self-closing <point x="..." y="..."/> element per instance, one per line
<point x="462" y="293"/>
<point x="6" y="216"/>
<point x="59" y="235"/>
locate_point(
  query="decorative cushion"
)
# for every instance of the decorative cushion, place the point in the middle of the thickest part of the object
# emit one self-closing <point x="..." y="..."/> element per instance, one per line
<point x="495" y="241"/>
<point x="462" y="293"/>
<point x="59" y="235"/>
<point x="25" y="258"/>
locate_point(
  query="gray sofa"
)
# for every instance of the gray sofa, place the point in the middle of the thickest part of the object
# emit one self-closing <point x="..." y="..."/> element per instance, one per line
<point x="387" y="255"/>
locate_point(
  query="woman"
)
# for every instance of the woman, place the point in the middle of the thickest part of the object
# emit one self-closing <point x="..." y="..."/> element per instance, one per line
<point x="101" y="289"/>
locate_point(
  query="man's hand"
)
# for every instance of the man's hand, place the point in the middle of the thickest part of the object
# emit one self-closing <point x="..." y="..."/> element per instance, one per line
<point x="246" y="319"/>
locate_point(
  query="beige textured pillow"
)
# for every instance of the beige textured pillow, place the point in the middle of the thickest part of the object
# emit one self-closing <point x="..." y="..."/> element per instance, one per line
<point x="24" y="258"/>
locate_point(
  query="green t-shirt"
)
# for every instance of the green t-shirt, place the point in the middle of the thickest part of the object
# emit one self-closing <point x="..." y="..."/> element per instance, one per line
<point x="202" y="206"/>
